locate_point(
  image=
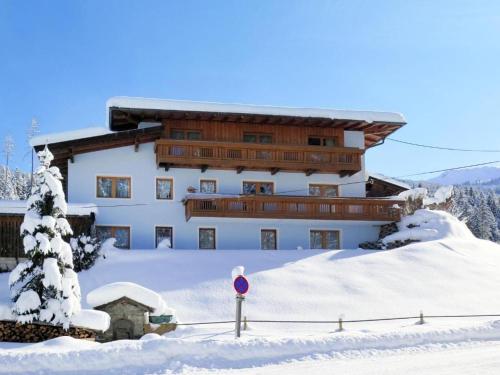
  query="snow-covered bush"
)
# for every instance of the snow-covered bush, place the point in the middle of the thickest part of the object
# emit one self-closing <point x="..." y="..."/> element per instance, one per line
<point x="45" y="288"/>
<point x="86" y="250"/>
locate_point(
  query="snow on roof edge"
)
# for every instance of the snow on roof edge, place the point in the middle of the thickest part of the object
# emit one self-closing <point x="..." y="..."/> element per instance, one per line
<point x="388" y="179"/>
<point x="50" y="138"/>
<point x="198" y="106"/>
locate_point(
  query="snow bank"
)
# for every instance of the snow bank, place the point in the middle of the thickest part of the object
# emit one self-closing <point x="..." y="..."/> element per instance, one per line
<point x="112" y="292"/>
<point x="155" y="354"/>
<point x="440" y="196"/>
<point x="413" y="194"/>
<point x="427" y="225"/>
<point x="92" y="319"/>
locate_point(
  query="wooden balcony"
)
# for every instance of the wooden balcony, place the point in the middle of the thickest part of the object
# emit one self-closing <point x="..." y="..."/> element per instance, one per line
<point x="293" y="207"/>
<point x="272" y="157"/>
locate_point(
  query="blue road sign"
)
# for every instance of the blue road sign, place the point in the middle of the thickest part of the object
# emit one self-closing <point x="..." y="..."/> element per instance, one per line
<point x="241" y="284"/>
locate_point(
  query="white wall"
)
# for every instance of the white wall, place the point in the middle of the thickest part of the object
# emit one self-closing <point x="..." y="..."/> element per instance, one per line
<point x="233" y="233"/>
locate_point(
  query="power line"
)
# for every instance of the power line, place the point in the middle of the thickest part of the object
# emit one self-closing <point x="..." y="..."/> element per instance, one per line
<point x="449" y="169"/>
<point x="440" y="147"/>
<point x="279" y="193"/>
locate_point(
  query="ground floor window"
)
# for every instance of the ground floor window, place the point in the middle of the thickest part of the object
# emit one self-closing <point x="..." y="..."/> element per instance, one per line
<point x="164" y="235"/>
<point x="268" y="239"/>
<point x="121" y="234"/>
<point x="206" y="238"/>
<point x="325" y="239"/>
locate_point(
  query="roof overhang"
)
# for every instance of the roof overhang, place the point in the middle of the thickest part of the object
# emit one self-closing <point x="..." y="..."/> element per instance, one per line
<point x="124" y="113"/>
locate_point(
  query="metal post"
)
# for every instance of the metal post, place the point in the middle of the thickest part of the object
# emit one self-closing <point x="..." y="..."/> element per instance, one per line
<point x="245" y="323"/>
<point x="239" y="301"/>
<point x="341" y="328"/>
<point x="421" y="318"/>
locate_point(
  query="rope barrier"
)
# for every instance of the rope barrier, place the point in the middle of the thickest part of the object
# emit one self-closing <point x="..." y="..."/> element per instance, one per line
<point x="344" y="321"/>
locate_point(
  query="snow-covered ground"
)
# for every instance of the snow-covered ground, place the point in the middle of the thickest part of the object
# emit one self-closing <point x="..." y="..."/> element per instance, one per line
<point x="454" y="273"/>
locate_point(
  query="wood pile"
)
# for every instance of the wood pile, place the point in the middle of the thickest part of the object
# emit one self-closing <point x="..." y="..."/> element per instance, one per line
<point x="12" y="331"/>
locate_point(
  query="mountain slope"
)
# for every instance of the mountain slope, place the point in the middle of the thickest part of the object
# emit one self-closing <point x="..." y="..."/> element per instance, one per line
<point x="471" y="175"/>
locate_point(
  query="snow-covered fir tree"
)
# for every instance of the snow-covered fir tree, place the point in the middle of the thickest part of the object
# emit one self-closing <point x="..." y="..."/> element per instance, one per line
<point x="86" y="250"/>
<point x="479" y="209"/>
<point x="45" y="288"/>
<point x="16" y="185"/>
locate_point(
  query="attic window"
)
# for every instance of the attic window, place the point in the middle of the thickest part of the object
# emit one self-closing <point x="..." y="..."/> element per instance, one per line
<point x="192" y="135"/>
<point x="322" y="141"/>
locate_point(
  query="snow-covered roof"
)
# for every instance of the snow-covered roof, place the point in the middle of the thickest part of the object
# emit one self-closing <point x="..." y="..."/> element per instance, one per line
<point x="19" y="207"/>
<point x="194" y="106"/>
<point x="390" y="180"/>
<point x="114" y="291"/>
<point x="44" y="139"/>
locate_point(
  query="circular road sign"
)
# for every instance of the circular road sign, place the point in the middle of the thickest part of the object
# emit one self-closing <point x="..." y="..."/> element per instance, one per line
<point x="241" y="285"/>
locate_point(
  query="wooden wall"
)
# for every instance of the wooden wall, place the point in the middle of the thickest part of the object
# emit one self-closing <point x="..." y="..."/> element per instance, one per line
<point x="233" y="131"/>
<point x="11" y="244"/>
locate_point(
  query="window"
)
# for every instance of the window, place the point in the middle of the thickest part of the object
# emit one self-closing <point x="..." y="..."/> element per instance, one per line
<point x="121" y="234"/>
<point x="113" y="187"/>
<point x="325" y="239"/>
<point x="268" y="239"/>
<point x="208" y="186"/>
<point x="206" y="238"/>
<point x="322" y="141"/>
<point x="323" y="190"/>
<point x="193" y="135"/>
<point x="164" y="234"/>
<point x="257" y="138"/>
<point x="164" y="188"/>
<point x="252" y="187"/>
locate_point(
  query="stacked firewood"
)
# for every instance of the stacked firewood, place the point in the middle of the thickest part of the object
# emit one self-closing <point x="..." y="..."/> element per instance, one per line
<point x="35" y="332"/>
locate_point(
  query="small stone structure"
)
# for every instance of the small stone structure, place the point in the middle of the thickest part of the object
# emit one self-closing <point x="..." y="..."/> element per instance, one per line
<point x="128" y="319"/>
<point x="12" y="331"/>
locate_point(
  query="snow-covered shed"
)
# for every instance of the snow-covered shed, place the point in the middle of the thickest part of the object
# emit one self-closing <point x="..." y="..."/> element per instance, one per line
<point x="130" y="307"/>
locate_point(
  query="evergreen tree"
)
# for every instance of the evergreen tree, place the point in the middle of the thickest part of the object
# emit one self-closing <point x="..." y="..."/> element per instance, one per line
<point x="483" y="223"/>
<point x="86" y="250"/>
<point x="45" y="288"/>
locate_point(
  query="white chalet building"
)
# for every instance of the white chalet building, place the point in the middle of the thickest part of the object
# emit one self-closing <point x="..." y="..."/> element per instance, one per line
<point x="226" y="176"/>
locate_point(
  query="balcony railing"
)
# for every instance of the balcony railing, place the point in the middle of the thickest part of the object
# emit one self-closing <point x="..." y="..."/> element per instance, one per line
<point x="293" y="207"/>
<point x="273" y="157"/>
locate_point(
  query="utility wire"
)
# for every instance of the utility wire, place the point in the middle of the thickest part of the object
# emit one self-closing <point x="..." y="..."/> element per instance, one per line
<point x="440" y="147"/>
<point x="283" y="192"/>
<point x="450" y="169"/>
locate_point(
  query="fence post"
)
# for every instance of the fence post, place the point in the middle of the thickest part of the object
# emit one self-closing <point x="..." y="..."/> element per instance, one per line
<point x="421" y="321"/>
<point x="341" y="328"/>
<point x="245" y="323"/>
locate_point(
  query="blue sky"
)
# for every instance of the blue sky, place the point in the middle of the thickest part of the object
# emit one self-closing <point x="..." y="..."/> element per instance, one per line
<point x="437" y="62"/>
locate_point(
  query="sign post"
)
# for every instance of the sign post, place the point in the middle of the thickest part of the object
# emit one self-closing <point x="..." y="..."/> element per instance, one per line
<point x="241" y="286"/>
